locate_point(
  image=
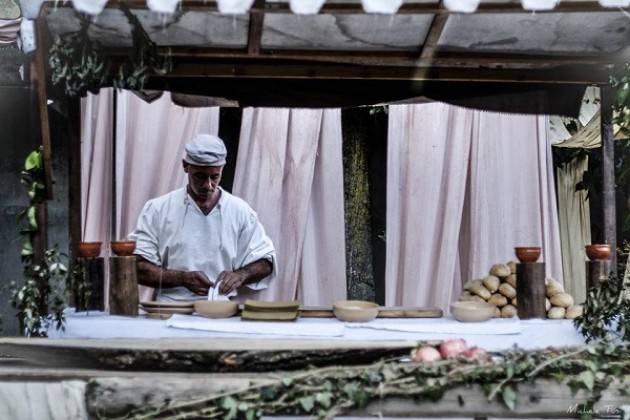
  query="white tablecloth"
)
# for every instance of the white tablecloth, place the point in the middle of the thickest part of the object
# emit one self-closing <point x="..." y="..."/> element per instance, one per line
<point x="533" y="333"/>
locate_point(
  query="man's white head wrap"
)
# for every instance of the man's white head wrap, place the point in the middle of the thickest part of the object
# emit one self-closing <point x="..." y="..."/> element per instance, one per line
<point x="205" y="150"/>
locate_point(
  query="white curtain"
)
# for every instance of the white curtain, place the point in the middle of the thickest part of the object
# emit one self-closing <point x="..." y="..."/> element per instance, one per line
<point x="464" y="188"/>
<point x="575" y="226"/>
<point x="149" y="150"/>
<point x="289" y="169"/>
<point x="427" y="161"/>
<point x="96" y="166"/>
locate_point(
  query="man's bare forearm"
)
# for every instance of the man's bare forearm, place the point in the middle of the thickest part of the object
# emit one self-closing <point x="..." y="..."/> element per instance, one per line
<point x="151" y="275"/>
<point x="255" y="271"/>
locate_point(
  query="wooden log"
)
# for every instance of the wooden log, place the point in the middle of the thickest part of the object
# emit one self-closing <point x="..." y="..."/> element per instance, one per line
<point x="94" y="271"/>
<point x="530" y="290"/>
<point x="123" y="286"/>
<point x="596" y="272"/>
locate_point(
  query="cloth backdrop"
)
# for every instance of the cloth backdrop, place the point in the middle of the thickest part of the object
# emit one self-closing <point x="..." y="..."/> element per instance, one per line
<point x="464" y="188"/>
<point x="575" y="226"/>
<point x="289" y="169"/>
<point x="149" y="150"/>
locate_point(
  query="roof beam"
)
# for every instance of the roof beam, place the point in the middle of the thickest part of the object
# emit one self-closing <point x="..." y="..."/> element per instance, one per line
<point x="571" y="6"/>
<point x="291" y="70"/>
<point x="254" y="35"/>
<point x="433" y="36"/>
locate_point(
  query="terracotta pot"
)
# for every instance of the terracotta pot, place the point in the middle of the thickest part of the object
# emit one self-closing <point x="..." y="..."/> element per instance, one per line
<point x="527" y="254"/>
<point x="123" y="248"/>
<point x="89" y="249"/>
<point x="598" y="252"/>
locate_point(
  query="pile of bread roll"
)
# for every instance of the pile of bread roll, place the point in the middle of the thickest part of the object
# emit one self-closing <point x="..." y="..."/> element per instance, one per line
<point x="499" y="289"/>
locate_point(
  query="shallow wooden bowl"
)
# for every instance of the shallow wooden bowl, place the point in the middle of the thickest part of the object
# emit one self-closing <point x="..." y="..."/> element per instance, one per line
<point x="527" y="254"/>
<point x="472" y="311"/>
<point x="123" y="248"/>
<point x="89" y="249"/>
<point x="216" y="308"/>
<point x="355" y="310"/>
<point x="598" y="252"/>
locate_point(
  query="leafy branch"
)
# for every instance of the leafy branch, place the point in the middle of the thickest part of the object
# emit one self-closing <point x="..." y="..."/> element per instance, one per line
<point x="606" y="315"/>
<point x="44" y="276"/>
<point x="331" y="391"/>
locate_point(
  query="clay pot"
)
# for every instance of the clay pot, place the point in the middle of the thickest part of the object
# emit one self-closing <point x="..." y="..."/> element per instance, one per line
<point x="123" y="248"/>
<point x="89" y="249"/>
<point x="598" y="252"/>
<point x="527" y="254"/>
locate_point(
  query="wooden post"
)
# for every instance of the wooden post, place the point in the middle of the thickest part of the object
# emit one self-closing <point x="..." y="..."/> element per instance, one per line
<point x="123" y="286"/>
<point x="94" y="271"/>
<point x="596" y="272"/>
<point x="530" y="290"/>
<point x="608" y="175"/>
<point x="74" y="161"/>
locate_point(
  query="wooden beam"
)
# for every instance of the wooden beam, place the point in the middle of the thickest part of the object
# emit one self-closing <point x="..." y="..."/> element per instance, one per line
<point x="42" y="99"/>
<point x="254" y="35"/>
<point x="283" y="70"/>
<point x="407" y="8"/>
<point x="391" y="58"/>
<point x="433" y="37"/>
<point x="608" y="174"/>
<point x="74" y="161"/>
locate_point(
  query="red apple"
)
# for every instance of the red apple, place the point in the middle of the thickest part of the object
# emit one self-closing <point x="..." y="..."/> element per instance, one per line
<point x="452" y="348"/>
<point x="426" y="354"/>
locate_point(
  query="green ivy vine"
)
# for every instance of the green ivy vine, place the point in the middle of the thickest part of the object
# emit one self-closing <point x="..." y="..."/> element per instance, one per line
<point x="39" y="300"/>
<point x="332" y="391"/>
<point x="79" y="64"/>
<point x="621" y="104"/>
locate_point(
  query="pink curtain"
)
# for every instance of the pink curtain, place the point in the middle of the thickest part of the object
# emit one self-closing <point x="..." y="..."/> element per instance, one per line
<point x="149" y="150"/>
<point x="428" y="153"/>
<point x="464" y="188"/>
<point x="288" y="161"/>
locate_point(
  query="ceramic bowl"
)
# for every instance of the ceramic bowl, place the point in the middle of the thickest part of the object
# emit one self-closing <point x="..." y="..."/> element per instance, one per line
<point x="355" y="310"/>
<point x="123" y="248"/>
<point x="472" y="311"/>
<point x="216" y="308"/>
<point x="527" y="254"/>
<point x="89" y="249"/>
<point x="598" y="252"/>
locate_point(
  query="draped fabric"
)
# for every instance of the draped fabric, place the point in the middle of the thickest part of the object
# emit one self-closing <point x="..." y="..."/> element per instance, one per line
<point x="149" y="150"/>
<point x="575" y="226"/>
<point x="464" y="188"/>
<point x="289" y="169"/>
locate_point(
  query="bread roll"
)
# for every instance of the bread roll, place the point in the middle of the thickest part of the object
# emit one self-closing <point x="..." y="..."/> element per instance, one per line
<point x="574" y="311"/>
<point x="491" y="283"/>
<point x="511" y="280"/>
<point x="563" y="300"/>
<point x="500" y="270"/>
<point x="512" y="265"/>
<point x="498" y="299"/>
<point x="481" y="291"/>
<point x="553" y="288"/>
<point x="556" y="313"/>
<point x="508" y="311"/>
<point x="506" y="290"/>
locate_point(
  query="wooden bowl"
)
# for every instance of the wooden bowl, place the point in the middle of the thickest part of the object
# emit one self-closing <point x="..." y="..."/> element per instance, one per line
<point x="89" y="249"/>
<point x="472" y="311"/>
<point x="216" y="308"/>
<point x="355" y="310"/>
<point x="527" y="254"/>
<point x="123" y="248"/>
<point x="598" y="252"/>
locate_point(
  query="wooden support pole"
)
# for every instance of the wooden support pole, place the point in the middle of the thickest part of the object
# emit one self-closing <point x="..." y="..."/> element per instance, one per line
<point x="74" y="162"/>
<point x="530" y="289"/>
<point x="254" y="34"/>
<point x="40" y="80"/>
<point x="608" y="175"/>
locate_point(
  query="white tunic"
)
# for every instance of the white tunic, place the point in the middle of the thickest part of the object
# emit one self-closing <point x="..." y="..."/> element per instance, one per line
<point x="173" y="232"/>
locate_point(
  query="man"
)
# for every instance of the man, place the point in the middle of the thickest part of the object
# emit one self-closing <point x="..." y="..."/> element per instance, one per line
<point x="200" y="241"/>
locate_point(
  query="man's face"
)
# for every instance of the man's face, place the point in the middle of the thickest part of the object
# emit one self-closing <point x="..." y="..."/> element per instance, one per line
<point x="203" y="180"/>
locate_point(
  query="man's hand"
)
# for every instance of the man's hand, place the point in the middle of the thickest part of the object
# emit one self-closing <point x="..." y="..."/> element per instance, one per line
<point x="229" y="281"/>
<point x="197" y="282"/>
